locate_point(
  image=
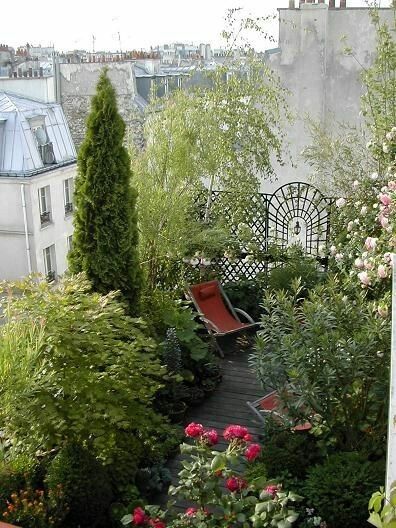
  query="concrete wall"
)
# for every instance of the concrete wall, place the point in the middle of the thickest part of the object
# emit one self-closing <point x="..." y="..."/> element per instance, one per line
<point x="323" y="81"/>
<point x="77" y="84"/>
<point x="13" y="254"/>
<point x="41" y="88"/>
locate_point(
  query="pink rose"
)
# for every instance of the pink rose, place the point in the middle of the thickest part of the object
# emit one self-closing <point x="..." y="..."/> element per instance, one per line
<point x="272" y="490"/>
<point x="367" y="264"/>
<point x="359" y="263"/>
<point x="236" y="484"/>
<point x="385" y="199"/>
<point x="211" y="437"/>
<point x="364" y="278"/>
<point x="384" y="221"/>
<point x="252" y="452"/>
<point x="387" y="258"/>
<point x="392" y="185"/>
<point x="235" y="431"/>
<point x="370" y="243"/>
<point x="194" y="429"/>
<point x="382" y="271"/>
<point x="138" y="517"/>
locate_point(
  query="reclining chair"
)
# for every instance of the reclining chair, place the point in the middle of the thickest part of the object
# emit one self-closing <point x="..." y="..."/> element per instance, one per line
<point x="217" y="313"/>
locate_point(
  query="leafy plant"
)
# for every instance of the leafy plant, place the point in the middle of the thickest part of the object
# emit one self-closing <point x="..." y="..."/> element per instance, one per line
<point x="85" y="485"/>
<point x="87" y="359"/>
<point x="327" y="356"/>
<point x="105" y="224"/>
<point x="382" y="509"/>
<point x="247" y="294"/>
<point x="18" y="472"/>
<point x="339" y="489"/>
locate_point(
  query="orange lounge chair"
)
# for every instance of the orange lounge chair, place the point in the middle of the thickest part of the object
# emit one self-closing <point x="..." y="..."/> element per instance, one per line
<point x="216" y="311"/>
<point x="268" y="405"/>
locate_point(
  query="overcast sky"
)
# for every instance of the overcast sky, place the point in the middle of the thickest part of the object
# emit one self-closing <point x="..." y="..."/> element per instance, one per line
<point x="70" y="24"/>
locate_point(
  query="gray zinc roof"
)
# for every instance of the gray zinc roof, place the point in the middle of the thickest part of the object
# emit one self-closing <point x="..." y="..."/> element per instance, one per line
<point x="23" y="151"/>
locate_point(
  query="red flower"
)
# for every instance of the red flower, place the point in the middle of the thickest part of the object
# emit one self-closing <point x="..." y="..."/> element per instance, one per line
<point x="235" y="431"/>
<point x="248" y="437"/>
<point x="252" y="452"/>
<point x="157" y="523"/>
<point x="191" y="511"/>
<point x="193" y="430"/>
<point x="272" y="490"/>
<point x="211" y="437"/>
<point x="236" y="484"/>
<point x="138" y="517"/>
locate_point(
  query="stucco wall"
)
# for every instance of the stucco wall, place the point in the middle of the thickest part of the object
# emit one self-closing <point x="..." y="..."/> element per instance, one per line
<point x="14" y="260"/>
<point x="323" y="82"/>
<point x="77" y="84"/>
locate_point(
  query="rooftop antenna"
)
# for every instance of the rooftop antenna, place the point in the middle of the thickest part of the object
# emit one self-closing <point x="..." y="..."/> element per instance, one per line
<point x="119" y="43"/>
<point x="93" y="43"/>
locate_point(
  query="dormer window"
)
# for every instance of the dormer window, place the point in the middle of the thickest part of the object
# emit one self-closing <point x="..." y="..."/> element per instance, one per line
<point x="45" y="148"/>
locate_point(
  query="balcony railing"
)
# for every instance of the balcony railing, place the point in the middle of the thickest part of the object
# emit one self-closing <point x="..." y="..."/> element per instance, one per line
<point x="68" y="207"/>
<point x="45" y="217"/>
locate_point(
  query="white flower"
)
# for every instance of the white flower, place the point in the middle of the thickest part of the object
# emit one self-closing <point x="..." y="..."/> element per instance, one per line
<point x="224" y="127"/>
<point x="350" y="226"/>
<point x="333" y="250"/>
<point x="370" y="243"/>
<point x="356" y="183"/>
<point x="356" y="221"/>
<point x="374" y="176"/>
<point x="387" y="258"/>
<point x="380" y="354"/>
<point x="364" y="278"/>
<point x="339" y="257"/>
<point x="194" y="262"/>
<point x="340" y="202"/>
<point x="385" y="148"/>
<point x="363" y="210"/>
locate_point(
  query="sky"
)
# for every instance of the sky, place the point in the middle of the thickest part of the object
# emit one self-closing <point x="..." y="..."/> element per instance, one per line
<point x="136" y="24"/>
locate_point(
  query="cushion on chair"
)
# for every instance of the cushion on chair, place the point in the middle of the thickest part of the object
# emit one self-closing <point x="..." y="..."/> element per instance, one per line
<point x="209" y="291"/>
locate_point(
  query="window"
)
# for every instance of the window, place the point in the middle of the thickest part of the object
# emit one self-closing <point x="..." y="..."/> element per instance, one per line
<point x="45" y="205"/>
<point x="49" y="263"/>
<point x="68" y="189"/>
<point x="44" y="145"/>
<point x="69" y="239"/>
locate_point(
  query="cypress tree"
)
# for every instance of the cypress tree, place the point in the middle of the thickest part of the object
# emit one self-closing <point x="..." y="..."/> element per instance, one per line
<point x="105" y="221"/>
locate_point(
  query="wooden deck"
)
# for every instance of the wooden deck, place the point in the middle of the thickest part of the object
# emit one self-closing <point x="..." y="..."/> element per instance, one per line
<point x="226" y="406"/>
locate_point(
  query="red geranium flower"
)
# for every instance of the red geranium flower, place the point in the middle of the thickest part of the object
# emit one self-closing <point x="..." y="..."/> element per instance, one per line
<point x="252" y="452"/>
<point x="157" y="523"/>
<point x="236" y="484"/>
<point x="235" y="431"/>
<point x="138" y="517"/>
<point x="191" y="511"/>
<point x="248" y="437"/>
<point x="194" y="429"/>
<point x="211" y="437"/>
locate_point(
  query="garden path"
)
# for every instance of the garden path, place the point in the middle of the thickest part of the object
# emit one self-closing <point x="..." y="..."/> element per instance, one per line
<point x="227" y="405"/>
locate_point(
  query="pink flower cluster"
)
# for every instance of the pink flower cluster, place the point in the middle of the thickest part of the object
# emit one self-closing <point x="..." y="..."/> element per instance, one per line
<point x="139" y="518"/>
<point x="272" y="490"/>
<point x="196" y="430"/>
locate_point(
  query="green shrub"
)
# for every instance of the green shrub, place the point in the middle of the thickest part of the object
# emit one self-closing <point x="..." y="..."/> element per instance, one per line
<point x="247" y="294"/>
<point x="123" y="461"/>
<point x="93" y="372"/>
<point x="340" y="489"/>
<point x="288" y="452"/>
<point x="297" y="265"/>
<point x="332" y="353"/>
<point x="85" y="484"/>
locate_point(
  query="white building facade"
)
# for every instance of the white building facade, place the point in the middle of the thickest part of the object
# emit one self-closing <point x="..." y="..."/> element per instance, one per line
<point x="37" y="171"/>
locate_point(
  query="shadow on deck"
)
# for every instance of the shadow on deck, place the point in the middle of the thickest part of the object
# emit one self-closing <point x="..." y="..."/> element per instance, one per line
<point x="226" y="406"/>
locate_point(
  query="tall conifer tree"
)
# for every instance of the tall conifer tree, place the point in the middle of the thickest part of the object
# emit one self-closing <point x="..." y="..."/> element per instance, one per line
<point x="105" y="221"/>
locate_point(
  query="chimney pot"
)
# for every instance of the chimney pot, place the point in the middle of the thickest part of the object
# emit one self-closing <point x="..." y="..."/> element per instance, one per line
<point x="342" y="4"/>
<point x="291" y="4"/>
<point x="309" y="1"/>
<point x="332" y="4"/>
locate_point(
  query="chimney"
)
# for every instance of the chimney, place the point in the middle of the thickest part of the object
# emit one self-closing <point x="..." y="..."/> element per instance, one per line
<point x="30" y="72"/>
<point x="309" y="1"/>
<point x="291" y="4"/>
<point x="41" y="71"/>
<point x="302" y="2"/>
<point x="331" y="4"/>
<point x="342" y="4"/>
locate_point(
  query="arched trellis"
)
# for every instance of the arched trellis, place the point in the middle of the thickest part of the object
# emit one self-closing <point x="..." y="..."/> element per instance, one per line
<point x="298" y="212"/>
<point x="295" y="212"/>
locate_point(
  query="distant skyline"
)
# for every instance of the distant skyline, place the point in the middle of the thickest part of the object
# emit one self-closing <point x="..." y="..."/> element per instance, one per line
<point x="136" y="25"/>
